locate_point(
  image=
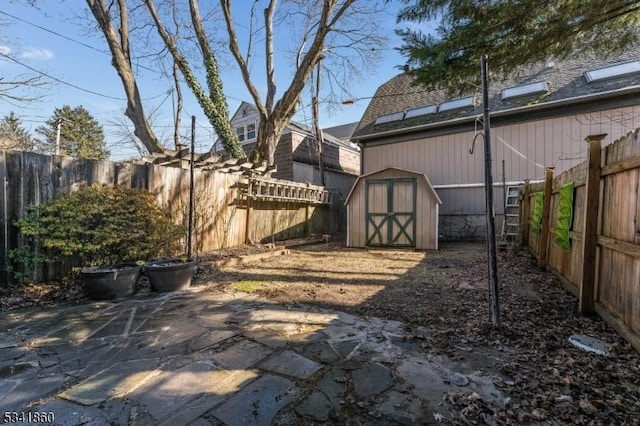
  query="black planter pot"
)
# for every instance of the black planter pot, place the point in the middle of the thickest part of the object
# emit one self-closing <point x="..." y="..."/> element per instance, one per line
<point x="111" y="281"/>
<point x="169" y="274"/>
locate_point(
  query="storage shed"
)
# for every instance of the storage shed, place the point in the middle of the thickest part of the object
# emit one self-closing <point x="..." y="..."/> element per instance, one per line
<point x="393" y="208"/>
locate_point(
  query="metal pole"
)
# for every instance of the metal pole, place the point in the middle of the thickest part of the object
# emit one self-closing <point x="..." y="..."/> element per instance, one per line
<point x="191" y="185"/>
<point x="488" y="182"/>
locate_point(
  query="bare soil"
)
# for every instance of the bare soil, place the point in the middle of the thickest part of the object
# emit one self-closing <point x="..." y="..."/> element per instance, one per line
<point x="446" y="292"/>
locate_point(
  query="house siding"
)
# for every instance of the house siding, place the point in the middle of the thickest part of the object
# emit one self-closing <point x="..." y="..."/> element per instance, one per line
<point x="283" y="158"/>
<point x="526" y="148"/>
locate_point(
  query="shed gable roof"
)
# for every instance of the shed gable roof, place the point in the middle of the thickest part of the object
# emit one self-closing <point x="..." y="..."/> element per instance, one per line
<point x="418" y="174"/>
<point x="564" y="80"/>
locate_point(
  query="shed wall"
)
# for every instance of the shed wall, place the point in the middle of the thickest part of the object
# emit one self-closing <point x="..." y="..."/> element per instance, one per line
<point x="426" y="211"/>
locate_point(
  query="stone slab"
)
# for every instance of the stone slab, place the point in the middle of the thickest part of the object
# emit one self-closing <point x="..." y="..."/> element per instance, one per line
<point x="243" y="354"/>
<point x="339" y="333"/>
<point x="67" y="413"/>
<point x="293" y="317"/>
<point x="266" y="338"/>
<point x="169" y="392"/>
<point x="258" y="403"/>
<point x="401" y="408"/>
<point x="209" y="339"/>
<point x="320" y="351"/>
<point x="194" y="409"/>
<point x="371" y="380"/>
<point x="346" y="347"/>
<point x="333" y="385"/>
<point x="117" y="380"/>
<point x="291" y="364"/>
<point x="28" y="391"/>
<point x="316" y="407"/>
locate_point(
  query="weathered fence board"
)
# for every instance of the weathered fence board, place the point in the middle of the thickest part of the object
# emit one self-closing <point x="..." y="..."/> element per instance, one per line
<point x="221" y="216"/>
<point x="616" y="232"/>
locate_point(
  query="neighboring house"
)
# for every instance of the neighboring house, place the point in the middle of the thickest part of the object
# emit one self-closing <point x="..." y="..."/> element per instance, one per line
<point x="296" y="155"/>
<point x="539" y="118"/>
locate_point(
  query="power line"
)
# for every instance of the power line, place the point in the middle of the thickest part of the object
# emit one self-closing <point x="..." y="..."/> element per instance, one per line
<point x="82" y="89"/>
<point x="55" y="33"/>
<point x="59" y="80"/>
<point x="104" y="52"/>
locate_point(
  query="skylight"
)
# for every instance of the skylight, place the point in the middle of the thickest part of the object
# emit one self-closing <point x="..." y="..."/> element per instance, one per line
<point x="457" y="104"/>
<point x="530" y="89"/>
<point x="387" y="118"/>
<point x="424" y="110"/>
<point x="614" y="71"/>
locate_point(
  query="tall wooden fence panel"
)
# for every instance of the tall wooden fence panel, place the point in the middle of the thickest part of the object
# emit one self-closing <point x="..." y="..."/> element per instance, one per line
<point x="610" y="284"/>
<point x="220" y="215"/>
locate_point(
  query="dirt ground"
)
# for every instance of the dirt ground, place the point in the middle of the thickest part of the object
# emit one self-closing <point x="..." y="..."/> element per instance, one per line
<point x="446" y="292"/>
<point x="443" y="296"/>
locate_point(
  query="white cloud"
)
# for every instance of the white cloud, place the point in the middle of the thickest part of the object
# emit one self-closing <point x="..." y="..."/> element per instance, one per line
<point x="5" y="50"/>
<point x="37" y="54"/>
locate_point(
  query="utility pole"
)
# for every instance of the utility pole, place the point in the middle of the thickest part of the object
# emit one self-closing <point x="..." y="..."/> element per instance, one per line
<point x="59" y="124"/>
<point x="316" y="125"/>
<point x="191" y="188"/>
<point x="488" y="182"/>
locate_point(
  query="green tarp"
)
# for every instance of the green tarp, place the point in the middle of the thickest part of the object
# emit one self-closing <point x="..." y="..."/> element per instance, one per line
<point x="564" y="217"/>
<point x="536" y="220"/>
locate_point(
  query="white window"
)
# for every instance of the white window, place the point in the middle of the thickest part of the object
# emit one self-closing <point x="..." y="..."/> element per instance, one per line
<point x="251" y="131"/>
<point x="246" y="132"/>
<point x="240" y="133"/>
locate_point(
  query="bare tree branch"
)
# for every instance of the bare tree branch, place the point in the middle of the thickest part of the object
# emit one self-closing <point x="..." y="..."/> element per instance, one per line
<point x="214" y="105"/>
<point x="119" y="47"/>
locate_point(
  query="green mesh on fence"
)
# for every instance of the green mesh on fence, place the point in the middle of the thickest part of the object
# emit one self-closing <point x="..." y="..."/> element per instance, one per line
<point x="565" y="216"/>
<point x="536" y="220"/>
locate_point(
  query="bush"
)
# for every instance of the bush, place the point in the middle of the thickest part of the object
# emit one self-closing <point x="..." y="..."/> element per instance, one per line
<point x="98" y="225"/>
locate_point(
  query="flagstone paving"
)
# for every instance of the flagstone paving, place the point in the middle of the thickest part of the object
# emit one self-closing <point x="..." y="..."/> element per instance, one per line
<point x="206" y="357"/>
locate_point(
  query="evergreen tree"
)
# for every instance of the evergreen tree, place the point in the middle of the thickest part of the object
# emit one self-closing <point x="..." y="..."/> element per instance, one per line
<point x="13" y="135"/>
<point x="511" y="33"/>
<point x="81" y="136"/>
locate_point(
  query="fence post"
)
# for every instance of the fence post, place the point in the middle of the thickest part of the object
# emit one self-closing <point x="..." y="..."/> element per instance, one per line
<point x="546" y="217"/>
<point x="247" y="221"/>
<point x="590" y="228"/>
<point x="524" y="215"/>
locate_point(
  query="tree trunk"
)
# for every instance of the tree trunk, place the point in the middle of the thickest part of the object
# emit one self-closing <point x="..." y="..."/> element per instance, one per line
<point x="269" y="131"/>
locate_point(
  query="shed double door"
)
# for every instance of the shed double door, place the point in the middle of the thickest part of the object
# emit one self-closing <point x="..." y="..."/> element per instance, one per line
<point x="391" y="212"/>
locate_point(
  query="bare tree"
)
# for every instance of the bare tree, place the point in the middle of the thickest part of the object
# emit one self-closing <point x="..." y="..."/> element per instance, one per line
<point x="328" y="28"/>
<point x="19" y="88"/>
<point x="118" y="41"/>
<point x="336" y="30"/>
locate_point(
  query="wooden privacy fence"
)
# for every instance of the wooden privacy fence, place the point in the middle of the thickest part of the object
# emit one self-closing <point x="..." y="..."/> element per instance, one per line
<point x="584" y="225"/>
<point x="226" y="213"/>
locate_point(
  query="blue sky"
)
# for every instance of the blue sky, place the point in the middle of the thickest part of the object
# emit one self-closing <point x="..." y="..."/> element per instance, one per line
<point x="85" y="76"/>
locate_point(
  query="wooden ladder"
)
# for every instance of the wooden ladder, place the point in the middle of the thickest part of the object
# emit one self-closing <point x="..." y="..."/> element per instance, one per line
<point x="511" y="222"/>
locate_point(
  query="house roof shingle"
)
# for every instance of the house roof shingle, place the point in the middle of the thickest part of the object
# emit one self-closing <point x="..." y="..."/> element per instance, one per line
<point x="565" y="81"/>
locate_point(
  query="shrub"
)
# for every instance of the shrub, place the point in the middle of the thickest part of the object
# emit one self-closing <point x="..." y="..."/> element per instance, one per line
<point x="98" y="225"/>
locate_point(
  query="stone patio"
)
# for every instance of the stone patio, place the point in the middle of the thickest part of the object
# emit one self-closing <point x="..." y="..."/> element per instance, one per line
<point x="206" y="357"/>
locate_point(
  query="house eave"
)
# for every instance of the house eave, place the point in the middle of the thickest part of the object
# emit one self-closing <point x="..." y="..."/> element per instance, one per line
<point x="522" y="110"/>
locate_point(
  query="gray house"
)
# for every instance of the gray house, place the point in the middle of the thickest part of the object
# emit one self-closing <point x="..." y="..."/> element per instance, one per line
<point x="539" y="117"/>
<point x="296" y="155"/>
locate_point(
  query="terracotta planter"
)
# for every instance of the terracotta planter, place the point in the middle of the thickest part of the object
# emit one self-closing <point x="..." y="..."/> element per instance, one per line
<point x="110" y="281"/>
<point x="169" y="274"/>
